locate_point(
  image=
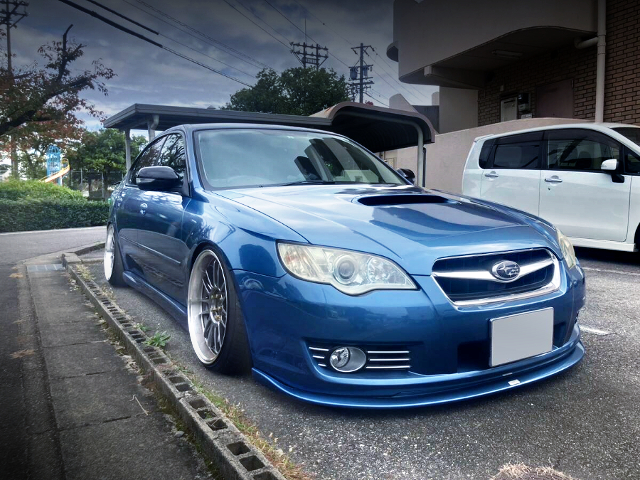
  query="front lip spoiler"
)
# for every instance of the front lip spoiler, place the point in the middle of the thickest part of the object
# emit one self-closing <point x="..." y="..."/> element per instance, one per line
<point x="476" y="390"/>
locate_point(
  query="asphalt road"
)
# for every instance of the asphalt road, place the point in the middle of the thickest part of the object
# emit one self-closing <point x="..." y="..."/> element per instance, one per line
<point x="584" y="422"/>
<point x="18" y="246"/>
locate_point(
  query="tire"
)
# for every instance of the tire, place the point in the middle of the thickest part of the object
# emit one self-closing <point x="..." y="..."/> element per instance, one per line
<point x="113" y="268"/>
<point x="216" y="324"/>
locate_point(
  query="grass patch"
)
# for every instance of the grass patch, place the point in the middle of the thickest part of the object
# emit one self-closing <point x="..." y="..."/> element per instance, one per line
<point x="520" y="471"/>
<point x="159" y="339"/>
<point x="275" y="455"/>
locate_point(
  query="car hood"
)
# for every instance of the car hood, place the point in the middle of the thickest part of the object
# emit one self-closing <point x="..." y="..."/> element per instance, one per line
<point x="412" y="226"/>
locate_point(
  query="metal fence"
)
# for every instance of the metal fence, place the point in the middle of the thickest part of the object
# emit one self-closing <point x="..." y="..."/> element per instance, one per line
<point x="95" y="185"/>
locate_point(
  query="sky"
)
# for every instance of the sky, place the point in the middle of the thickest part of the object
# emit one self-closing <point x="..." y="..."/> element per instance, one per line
<point x="148" y="74"/>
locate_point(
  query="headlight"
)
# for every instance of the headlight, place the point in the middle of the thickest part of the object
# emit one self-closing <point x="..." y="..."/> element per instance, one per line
<point x="567" y="250"/>
<point x="350" y="272"/>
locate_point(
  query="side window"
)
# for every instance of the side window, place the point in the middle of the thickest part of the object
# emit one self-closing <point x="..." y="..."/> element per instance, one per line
<point x="173" y="154"/>
<point x="147" y="158"/>
<point x="485" y="153"/>
<point x="631" y="162"/>
<point x="579" y="150"/>
<point x="520" y="152"/>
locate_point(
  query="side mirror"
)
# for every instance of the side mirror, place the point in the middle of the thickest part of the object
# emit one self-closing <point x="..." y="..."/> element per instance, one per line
<point x="159" y="178"/>
<point x="610" y="165"/>
<point x="408" y="174"/>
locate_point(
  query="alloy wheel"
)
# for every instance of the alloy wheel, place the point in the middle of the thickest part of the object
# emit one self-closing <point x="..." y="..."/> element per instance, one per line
<point x="207" y="307"/>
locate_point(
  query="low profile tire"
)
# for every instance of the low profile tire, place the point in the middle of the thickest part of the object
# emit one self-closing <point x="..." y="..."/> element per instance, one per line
<point x="113" y="268"/>
<point x="216" y="324"/>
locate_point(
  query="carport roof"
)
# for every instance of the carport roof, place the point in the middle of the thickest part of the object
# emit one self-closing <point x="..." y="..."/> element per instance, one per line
<point x="377" y="128"/>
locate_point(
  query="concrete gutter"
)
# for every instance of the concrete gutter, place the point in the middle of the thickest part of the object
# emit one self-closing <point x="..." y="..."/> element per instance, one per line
<point x="222" y="443"/>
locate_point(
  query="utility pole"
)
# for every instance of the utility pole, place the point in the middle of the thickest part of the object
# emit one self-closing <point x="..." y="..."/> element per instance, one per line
<point x="359" y="74"/>
<point x="310" y="55"/>
<point x="13" y="12"/>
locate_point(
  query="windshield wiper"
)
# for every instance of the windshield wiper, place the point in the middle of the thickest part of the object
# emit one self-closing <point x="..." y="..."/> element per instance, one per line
<point x="305" y="182"/>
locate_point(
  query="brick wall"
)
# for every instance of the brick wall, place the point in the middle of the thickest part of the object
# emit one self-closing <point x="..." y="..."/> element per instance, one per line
<point x="622" y="84"/>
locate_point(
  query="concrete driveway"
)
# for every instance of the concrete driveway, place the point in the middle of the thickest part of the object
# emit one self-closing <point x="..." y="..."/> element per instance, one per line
<point x="584" y="422"/>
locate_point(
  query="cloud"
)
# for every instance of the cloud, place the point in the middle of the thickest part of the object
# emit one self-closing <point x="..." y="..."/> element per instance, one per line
<point x="147" y="74"/>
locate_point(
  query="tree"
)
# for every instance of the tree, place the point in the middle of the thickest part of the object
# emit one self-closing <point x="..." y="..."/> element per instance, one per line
<point x="297" y="91"/>
<point x="104" y="152"/>
<point x="33" y="99"/>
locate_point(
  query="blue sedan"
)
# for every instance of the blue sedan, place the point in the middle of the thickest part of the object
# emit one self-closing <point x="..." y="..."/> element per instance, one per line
<point x="300" y="256"/>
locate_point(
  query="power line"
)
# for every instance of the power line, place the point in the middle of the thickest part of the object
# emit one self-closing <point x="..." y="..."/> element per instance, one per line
<point x="302" y="31"/>
<point x="191" y="48"/>
<point x="231" y="51"/>
<point x="260" y="27"/>
<point x="376" y="100"/>
<point x="349" y="42"/>
<point x="122" y="16"/>
<point x="148" y="40"/>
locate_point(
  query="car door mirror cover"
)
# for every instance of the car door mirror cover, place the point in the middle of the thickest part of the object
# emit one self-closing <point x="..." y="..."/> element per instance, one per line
<point x="408" y="174"/>
<point x="159" y="178"/>
<point x="610" y="165"/>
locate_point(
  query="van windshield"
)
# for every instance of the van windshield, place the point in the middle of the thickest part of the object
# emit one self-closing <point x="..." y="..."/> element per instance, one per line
<point x="632" y="133"/>
<point x="269" y="157"/>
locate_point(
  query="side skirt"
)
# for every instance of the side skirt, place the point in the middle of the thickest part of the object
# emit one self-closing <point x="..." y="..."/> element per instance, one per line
<point x="175" y="309"/>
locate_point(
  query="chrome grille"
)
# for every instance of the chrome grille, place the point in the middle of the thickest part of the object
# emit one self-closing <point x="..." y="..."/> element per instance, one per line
<point x="378" y="358"/>
<point x="469" y="280"/>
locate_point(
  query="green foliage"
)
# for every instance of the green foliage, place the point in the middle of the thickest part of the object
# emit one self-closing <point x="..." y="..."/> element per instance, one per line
<point x="48" y="213"/>
<point x="104" y="151"/>
<point x="159" y="339"/>
<point x="297" y="91"/>
<point x="32" y="189"/>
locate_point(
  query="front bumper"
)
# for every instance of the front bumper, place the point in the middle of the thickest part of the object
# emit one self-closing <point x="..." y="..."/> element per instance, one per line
<point x="284" y="316"/>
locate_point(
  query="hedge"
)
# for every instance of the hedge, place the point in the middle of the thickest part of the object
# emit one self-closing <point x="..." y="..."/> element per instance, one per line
<point x="32" y="189"/>
<point x="49" y="213"/>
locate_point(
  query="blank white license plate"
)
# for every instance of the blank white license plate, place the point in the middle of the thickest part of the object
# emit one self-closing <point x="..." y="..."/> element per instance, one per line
<point x="521" y="336"/>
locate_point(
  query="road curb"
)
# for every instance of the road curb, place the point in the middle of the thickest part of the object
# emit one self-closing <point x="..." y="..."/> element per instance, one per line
<point x="222" y="443"/>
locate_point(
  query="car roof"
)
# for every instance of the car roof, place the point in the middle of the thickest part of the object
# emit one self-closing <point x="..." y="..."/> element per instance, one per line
<point x="600" y="127"/>
<point x="229" y="126"/>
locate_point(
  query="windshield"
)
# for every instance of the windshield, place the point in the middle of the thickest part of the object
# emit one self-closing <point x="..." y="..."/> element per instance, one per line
<point x="632" y="133"/>
<point x="264" y="157"/>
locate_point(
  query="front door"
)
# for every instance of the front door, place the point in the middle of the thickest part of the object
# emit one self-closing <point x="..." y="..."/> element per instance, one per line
<point x="575" y="194"/>
<point x="161" y="248"/>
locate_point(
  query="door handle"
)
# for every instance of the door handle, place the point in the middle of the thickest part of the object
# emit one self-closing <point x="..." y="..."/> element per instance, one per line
<point x="491" y="175"/>
<point x="553" y="179"/>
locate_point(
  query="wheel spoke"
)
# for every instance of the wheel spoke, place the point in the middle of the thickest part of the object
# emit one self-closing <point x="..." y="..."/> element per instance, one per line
<point x="206" y="281"/>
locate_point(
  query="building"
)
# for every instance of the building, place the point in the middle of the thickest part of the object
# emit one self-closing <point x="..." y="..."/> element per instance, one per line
<point x="510" y="60"/>
<point x="503" y="61"/>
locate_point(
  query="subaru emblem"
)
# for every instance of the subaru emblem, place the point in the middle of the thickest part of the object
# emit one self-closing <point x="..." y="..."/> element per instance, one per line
<point x="505" y="270"/>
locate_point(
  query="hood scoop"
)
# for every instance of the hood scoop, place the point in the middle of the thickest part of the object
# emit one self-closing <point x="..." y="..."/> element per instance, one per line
<point x="390" y="200"/>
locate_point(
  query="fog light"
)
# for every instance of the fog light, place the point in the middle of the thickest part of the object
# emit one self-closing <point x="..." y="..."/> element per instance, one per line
<point x="347" y="359"/>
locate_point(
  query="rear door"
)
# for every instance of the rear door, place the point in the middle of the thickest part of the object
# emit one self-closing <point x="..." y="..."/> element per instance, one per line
<point x="575" y="194"/>
<point x="512" y="173"/>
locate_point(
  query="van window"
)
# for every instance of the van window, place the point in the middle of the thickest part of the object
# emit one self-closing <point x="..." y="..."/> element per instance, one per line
<point x="631" y="162"/>
<point x="517" y="156"/>
<point x="581" y="150"/>
<point x="485" y="153"/>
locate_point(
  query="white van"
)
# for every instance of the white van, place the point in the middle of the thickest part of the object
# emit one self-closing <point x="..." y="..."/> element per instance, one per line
<point x="584" y="178"/>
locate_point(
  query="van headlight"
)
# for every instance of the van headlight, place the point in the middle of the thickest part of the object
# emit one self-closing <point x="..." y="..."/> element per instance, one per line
<point x="568" y="252"/>
<point x="350" y="272"/>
